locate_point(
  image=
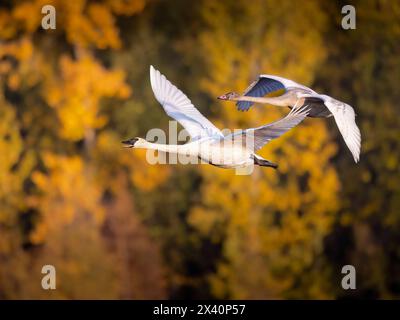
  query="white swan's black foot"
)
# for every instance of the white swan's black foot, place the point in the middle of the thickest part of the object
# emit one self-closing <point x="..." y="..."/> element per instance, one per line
<point x="265" y="163"/>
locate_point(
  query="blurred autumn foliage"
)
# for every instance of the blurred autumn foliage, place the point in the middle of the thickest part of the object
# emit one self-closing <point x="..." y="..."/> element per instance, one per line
<point x="117" y="227"/>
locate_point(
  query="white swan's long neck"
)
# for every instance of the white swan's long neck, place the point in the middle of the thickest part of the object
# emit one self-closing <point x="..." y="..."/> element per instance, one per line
<point x="276" y="101"/>
<point x="171" y="148"/>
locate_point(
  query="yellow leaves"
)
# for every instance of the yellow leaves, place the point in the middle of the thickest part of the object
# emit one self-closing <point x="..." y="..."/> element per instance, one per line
<point x="206" y="221"/>
<point x="282" y="215"/>
<point x="87" y="74"/>
<point x="8" y="137"/>
<point x="104" y="23"/>
<point x="96" y="27"/>
<point x="7" y="28"/>
<point x="28" y="14"/>
<point x="14" y="167"/>
<point x="126" y="7"/>
<point x="18" y="75"/>
<point x="392" y="162"/>
<point x="39" y="234"/>
<point x="86" y="23"/>
<point x="77" y="94"/>
<point x="366" y="176"/>
<point x="14" y="82"/>
<point x="22" y="50"/>
<point x="146" y="176"/>
<point x="93" y="23"/>
<point x="62" y="200"/>
<point x="111" y="156"/>
<point x="67" y="189"/>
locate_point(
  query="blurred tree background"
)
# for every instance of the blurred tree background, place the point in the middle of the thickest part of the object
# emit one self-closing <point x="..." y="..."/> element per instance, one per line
<point x="116" y="227"/>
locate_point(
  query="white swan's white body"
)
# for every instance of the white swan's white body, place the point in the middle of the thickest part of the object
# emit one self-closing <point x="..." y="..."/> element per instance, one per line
<point x="218" y="152"/>
<point x="207" y="141"/>
<point x="209" y="150"/>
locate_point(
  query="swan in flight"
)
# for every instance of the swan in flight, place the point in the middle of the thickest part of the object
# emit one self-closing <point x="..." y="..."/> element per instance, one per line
<point x="294" y="94"/>
<point x="207" y="142"/>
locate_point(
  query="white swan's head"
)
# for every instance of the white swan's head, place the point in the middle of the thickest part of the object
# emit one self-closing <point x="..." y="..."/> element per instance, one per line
<point x="134" y="142"/>
<point x="229" y="96"/>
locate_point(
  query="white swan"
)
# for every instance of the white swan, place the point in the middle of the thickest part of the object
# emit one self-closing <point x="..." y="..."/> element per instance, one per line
<point x="321" y="106"/>
<point x="207" y="142"/>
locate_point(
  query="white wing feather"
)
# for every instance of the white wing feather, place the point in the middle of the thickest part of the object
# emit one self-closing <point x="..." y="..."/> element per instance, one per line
<point x="345" y="119"/>
<point x="178" y="106"/>
<point x="255" y="138"/>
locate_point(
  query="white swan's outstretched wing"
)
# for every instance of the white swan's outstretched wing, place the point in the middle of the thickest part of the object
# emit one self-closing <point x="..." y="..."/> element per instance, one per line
<point x="255" y="138"/>
<point x="266" y="84"/>
<point x="345" y="119"/>
<point x="178" y="106"/>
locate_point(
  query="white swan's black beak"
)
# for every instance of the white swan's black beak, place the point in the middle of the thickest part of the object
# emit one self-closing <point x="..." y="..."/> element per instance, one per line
<point x="130" y="143"/>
